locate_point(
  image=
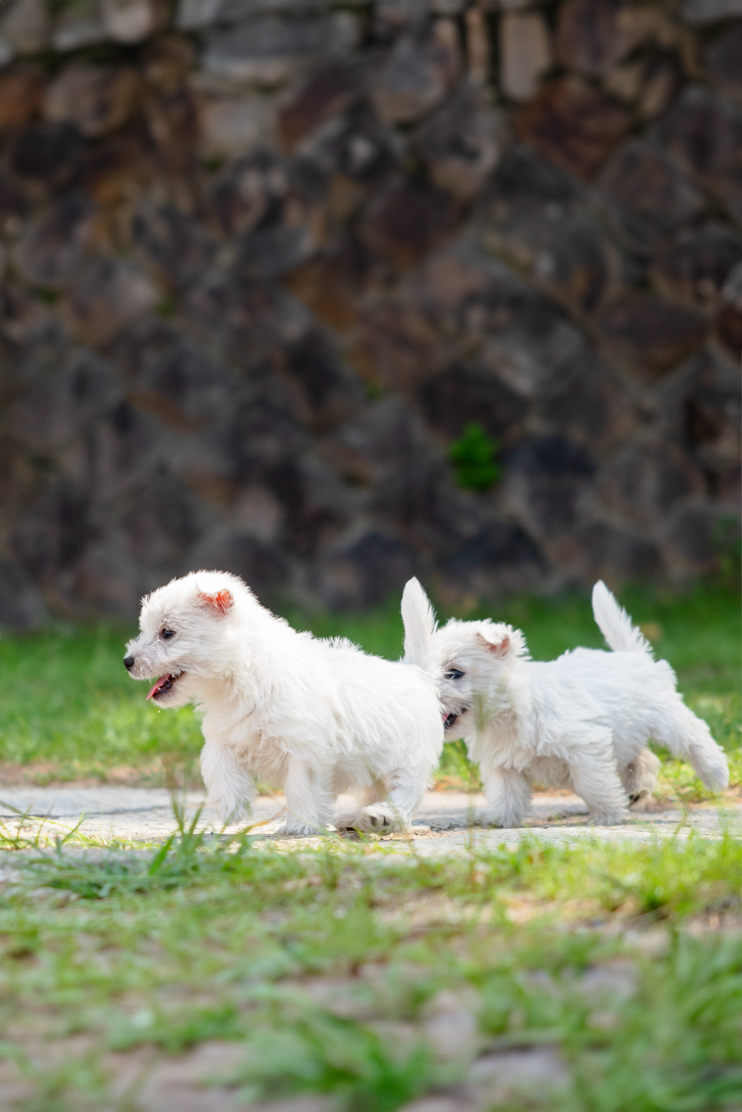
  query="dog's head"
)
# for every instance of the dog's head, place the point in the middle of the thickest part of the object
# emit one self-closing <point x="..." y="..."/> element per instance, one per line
<point x="471" y="661"/>
<point x="187" y="635"/>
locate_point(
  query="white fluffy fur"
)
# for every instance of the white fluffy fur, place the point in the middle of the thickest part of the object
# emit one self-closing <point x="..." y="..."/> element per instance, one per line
<point x="581" y="721"/>
<point x="317" y="717"/>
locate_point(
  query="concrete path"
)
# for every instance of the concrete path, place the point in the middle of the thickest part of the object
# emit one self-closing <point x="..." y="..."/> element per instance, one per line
<point x="444" y="821"/>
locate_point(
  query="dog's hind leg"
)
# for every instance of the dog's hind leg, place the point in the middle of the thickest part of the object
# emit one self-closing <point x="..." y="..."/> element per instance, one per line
<point x="595" y="779"/>
<point x="508" y="796"/>
<point x="640" y="775"/>
<point x="308" y="800"/>
<point x="230" y="786"/>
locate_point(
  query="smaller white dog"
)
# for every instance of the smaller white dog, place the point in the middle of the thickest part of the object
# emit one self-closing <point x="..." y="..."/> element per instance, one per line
<point x="317" y="717"/>
<point x="581" y="721"/>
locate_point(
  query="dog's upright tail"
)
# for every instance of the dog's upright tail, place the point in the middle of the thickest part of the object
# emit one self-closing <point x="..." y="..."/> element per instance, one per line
<point x="419" y="622"/>
<point x="615" y="624"/>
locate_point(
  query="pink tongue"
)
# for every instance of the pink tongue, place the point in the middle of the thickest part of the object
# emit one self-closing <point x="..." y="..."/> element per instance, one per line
<point x="160" y="683"/>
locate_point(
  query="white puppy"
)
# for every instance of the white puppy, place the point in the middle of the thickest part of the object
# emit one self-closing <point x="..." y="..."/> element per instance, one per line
<point x="581" y="721"/>
<point x="317" y="717"/>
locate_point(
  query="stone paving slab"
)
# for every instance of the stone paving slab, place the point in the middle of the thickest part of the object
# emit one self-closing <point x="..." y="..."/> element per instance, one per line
<point x="446" y="819"/>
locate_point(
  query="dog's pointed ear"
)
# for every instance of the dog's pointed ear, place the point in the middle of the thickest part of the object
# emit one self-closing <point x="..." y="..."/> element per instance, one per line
<point x="219" y="604"/>
<point x="498" y="646"/>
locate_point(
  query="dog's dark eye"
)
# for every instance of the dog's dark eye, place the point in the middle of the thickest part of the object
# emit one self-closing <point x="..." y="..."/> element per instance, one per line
<point x="453" y="674"/>
<point x="167" y="634"/>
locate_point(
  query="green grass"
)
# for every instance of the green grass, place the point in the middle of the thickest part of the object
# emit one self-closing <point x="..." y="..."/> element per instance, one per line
<point x="68" y="709"/>
<point x="322" y="969"/>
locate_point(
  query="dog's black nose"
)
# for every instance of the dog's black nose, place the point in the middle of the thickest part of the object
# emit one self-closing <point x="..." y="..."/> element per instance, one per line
<point x="129" y="661"/>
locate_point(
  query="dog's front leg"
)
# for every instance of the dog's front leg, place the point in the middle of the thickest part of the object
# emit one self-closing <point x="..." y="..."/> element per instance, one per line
<point x="395" y="814"/>
<point x="595" y="778"/>
<point x="231" y="788"/>
<point x="308" y="800"/>
<point x="508" y="795"/>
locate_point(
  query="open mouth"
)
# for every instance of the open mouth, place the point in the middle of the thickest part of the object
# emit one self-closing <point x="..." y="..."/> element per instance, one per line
<point x="164" y="684"/>
<point x="452" y="717"/>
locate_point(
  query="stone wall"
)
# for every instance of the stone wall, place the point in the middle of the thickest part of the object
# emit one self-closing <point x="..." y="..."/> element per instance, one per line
<point x="264" y="261"/>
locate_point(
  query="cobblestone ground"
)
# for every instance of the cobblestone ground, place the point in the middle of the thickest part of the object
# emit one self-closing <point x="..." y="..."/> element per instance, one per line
<point x="446" y="820"/>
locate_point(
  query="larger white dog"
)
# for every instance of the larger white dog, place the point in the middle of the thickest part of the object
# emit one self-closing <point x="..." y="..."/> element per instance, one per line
<point x="317" y="717"/>
<point x="581" y="721"/>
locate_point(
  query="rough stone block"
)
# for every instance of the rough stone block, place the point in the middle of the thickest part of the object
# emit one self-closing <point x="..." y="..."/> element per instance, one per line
<point x="539" y="346"/>
<point x="651" y="335"/>
<point x="161" y="524"/>
<point x="695" y="538"/>
<point x="263" y="566"/>
<point x="332" y="284"/>
<point x="698" y="266"/>
<point x="647" y="479"/>
<point x="364" y="571"/>
<point x="592" y="36"/>
<point x="259" y="435"/>
<point x="387" y="437"/>
<point x="107" y="296"/>
<point x="466" y="393"/>
<point x="176" y="248"/>
<point x="724" y="61"/>
<point x="500" y="559"/>
<point x="547" y="482"/>
<point x="462" y="143"/>
<point x="63" y="400"/>
<point x="326" y="95"/>
<point x="589" y="403"/>
<point x="117" y="454"/>
<point x="701" y="409"/>
<point x="728" y="327"/>
<point x="705" y="133"/>
<point x="525" y="54"/>
<point x="395" y="347"/>
<point x="79" y="25"/>
<point x="25" y="26"/>
<point x="96" y="99"/>
<point x="232" y="126"/>
<point x="268" y="50"/>
<point x="21" y="605"/>
<point x="103" y="581"/>
<point x="132" y="21"/>
<point x="417" y="74"/>
<point x="53" y="530"/>
<point x="710" y="11"/>
<point x="573" y="125"/>
<point x="21" y="92"/>
<point x="600" y="550"/>
<point x="329" y="391"/>
<point x="47" y="154"/>
<point x="245" y="192"/>
<point x="647" y="196"/>
<point x="465" y="293"/>
<point x="409" y="220"/>
<point x="425" y="507"/>
<point x="53" y="247"/>
<point x="245" y="322"/>
<point x="394" y="17"/>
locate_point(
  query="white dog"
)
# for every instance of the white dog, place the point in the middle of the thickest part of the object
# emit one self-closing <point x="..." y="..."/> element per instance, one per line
<point x="317" y="717"/>
<point x="581" y="721"/>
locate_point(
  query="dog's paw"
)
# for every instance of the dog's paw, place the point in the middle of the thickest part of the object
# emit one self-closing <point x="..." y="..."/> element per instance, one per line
<point x="379" y="818"/>
<point x="298" y="830"/>
<point x="607" y="818"/>
<point x="502" y="822"/>
<point x="345" y="823"/>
